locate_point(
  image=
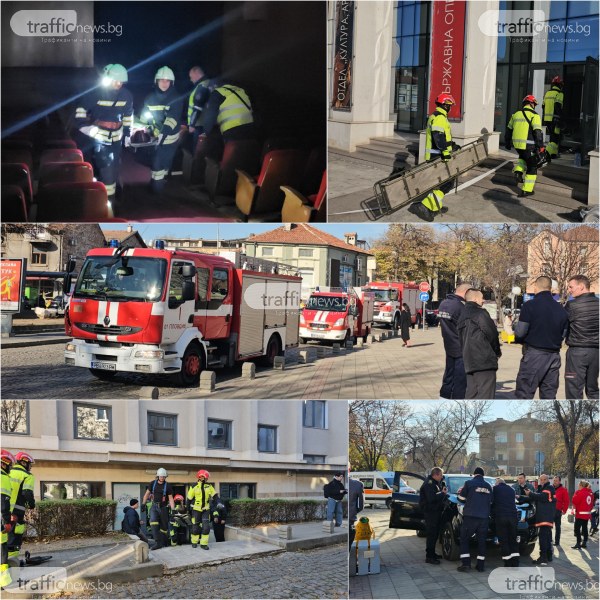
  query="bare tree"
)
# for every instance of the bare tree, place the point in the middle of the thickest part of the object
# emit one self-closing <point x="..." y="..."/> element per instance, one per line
<point x="14" y="416"/>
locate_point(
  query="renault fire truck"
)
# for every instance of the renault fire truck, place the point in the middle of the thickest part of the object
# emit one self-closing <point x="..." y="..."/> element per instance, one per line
<point x="335" y="315"/>
<point x="389" y="297"/>
<point x="151" y="310"/>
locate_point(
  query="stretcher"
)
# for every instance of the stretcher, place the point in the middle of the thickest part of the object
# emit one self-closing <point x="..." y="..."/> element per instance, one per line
<point x="406" y="186"/>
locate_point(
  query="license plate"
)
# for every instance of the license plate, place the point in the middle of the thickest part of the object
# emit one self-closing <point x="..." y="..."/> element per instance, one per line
<point x="317" y="335"/>
<point x="105" y="366"/>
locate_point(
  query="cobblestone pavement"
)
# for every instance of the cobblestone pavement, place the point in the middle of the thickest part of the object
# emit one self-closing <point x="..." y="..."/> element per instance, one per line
<point x="383" y="370"/>
<point x="320" y="573"/>
<point x="404" y="573"/>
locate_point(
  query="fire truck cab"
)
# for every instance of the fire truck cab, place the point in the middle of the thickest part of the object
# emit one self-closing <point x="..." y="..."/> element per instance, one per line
<point x="389" y="297"/>
<point x="335" y="315"/>
<point x="151" y="310"/>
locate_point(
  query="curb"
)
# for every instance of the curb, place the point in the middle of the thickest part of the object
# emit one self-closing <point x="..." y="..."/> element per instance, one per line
<point x="296" y="544"/>
<point x="28" y="344"/>
<point x="221" y="561"/>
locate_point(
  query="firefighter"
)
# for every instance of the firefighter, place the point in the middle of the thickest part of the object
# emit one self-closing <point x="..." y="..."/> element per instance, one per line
<point x="180" y="522"/>
<point x="162" y="497"/>
<point x="504" y="508"/>
<point x="8" y="460"/>
<point x="438" y="144"/>
<point x="552" y="109"/>
<point x="219" y="515"/>
<point x="201" y="494"/>
<point x="22" y="483"/>
<point x="107" y="117"/>
<point x="524" y="133"/>
<point x="197" y="102"/>
<point x="161" y="112"/>
<point x="545" y="510"/>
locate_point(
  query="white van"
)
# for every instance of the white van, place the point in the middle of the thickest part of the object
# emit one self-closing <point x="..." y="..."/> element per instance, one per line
<point x="379" y="486"/>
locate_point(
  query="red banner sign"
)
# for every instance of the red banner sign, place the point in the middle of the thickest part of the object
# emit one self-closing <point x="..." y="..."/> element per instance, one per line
<point x="11" y="282"/>
<point x="447" y="53"/>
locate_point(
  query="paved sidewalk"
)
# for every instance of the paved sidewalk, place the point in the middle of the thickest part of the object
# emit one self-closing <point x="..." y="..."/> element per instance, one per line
<point x="404" y="573"/>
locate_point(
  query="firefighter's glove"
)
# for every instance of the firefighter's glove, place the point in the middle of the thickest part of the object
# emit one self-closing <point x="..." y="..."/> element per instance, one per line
<point x="455" y="146"/>
<point x="446" y="156"/>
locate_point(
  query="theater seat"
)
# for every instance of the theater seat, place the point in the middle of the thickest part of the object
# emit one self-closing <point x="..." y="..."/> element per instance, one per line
<point x="300" y="209"/>
<point x="14" y="206"/>
<point x="65" y="172"/>
<point x="59" y="143"/>
<point x="73" y="202"/>
<point x="61" y="155"/>
<point x="18" y="174"/>
<point x="220" y="177"/>
<point x="17" y="155"/>
<point x="263" y="194"/>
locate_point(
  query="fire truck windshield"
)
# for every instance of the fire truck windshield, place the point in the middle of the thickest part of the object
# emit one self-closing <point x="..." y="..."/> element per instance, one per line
<point x="383" y="295"/>
<point x="330" y="303"/>
<point x="135" y="278"/>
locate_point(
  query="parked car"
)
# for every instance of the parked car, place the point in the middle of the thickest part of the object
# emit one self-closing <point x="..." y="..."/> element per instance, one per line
<point x="405" y="513"/>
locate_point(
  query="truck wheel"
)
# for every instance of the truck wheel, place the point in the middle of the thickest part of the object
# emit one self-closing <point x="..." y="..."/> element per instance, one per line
<point x="450" y="548"/>
<point x="396" y="323"/>
<point x="192" y="365"/>
<point x="102" y="374"/>
<point x="273" y="350"/>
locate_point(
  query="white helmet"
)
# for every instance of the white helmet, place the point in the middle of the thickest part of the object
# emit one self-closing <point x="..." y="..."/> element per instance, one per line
<point x="162" y="473"/>
<point x="164" y="73"/>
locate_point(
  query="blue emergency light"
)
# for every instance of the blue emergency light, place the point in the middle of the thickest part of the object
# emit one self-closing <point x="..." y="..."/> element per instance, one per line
<point x="114" y="243"/>
<point x="159" y="244"/>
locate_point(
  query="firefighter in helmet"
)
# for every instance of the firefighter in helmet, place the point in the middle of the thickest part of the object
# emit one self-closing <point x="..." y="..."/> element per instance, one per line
<point x="106" y="116"/>
<point x="8" y="460"/>
<point x="201" y="495"/>
<point x="438" y="145"/>
<point x="22" y="484"/>
<point x="162" y="114"/>
<point x="552" y="109"/>
<point x="524" y="133"/>
<point x="161" y="493"/>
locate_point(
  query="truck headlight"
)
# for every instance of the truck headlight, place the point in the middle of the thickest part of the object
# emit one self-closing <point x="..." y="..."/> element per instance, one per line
<point x="339" y="323"/>
<point x="302" y="321"/>
<point x="70" y="347"/>
<point x="158" y="354"/>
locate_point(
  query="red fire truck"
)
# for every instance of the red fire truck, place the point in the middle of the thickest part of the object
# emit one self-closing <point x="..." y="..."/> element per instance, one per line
<point x="389" y="297"/>
<point x="335" y="315"/>
<point x="151" y="310"/>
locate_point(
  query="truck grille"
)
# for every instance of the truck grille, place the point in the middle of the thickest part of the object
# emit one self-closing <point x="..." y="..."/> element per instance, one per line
<point x="112" y="330"/>
<point x="319" y="326"/>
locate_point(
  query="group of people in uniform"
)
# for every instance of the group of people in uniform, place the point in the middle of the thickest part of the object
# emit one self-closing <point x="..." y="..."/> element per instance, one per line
<point x="480" y="501"/>
<point x="106" y="117"/>
<point x="523" y="133"/>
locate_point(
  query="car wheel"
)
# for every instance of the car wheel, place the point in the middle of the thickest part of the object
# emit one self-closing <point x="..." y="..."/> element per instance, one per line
<point x="396" y="323"/>
<point x="192" y="365"/>
<point x="450" y="549"/>
<point x="103" y="375"/>
<point x="388" y="502"/>
<point x="421" y="533"/>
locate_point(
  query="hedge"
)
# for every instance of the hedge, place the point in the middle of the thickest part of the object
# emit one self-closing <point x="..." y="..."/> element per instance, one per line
<point x="248" y="512"/>
<point x="67" y="518"/>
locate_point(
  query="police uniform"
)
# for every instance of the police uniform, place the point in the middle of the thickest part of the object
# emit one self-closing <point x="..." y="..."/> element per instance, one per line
<point x="22" y="486"/>
<point x="201" y="494"/>
<point x="454" y="381"/>
<point x="541" y="328"/>
<point x="165" y="108"/>
<point x="505" y="516"/>
<point x="110" y="112"/>
<point x="159" y="511"/>
<point x="196" y="103"/>
<point x="545" y="509"/>
<point x="552" y="106"/>
<point x="6" y="490"/>
<point x="524" y="133"/>
<point x="230" y="108"/>
<point x="477" y="496"/>
<point x="219" y="514"/>
<point x="431" y="498"/>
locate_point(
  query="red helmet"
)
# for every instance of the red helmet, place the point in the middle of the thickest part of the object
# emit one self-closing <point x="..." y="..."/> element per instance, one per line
<point x="26" y="458"/>
<point x="445" y="99"/>
<point x="8" y="460"/>
<point x="557" y="80"/>
<point x="203" y="473"/>
<point x="178" y="498"/>
<point x="530" y="100"/>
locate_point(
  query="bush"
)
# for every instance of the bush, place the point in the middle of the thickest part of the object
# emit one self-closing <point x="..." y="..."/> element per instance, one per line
<point x="68" y="518"/>
<point x="249" y="512"/>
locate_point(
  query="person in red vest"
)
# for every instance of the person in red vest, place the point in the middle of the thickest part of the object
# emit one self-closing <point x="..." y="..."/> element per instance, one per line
<point x="583" y="502"/>
<point x="562" y="505"/>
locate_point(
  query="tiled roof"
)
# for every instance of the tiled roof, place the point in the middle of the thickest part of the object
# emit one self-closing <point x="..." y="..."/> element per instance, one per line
<point x="303" y="234"/>
<point x="584" y="233"/>
<point x="118" y="234"/>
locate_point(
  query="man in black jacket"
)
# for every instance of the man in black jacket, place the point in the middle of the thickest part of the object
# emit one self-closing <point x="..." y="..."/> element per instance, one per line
<point x="582" y="338"/>
<point x="431" y="501"/>
<point x="545" y="509"/>
<point x="454" y="383"/>
<point x="219" y="515"/>
<point x="131" y="522"/>
<point x="335" y="491"/>
<point x="541" y="329"/>
<point x="480" y="347"/>
<point x="504" y="509"/>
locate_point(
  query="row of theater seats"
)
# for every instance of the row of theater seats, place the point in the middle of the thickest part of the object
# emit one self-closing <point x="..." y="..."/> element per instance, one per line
<point x="60" y="186"/>
<point x="269" y="183"/>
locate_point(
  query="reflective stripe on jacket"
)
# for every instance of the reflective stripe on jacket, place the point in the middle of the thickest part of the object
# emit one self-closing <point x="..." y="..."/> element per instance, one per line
<point x="235" y="110"/>
<point x="522" y="132"/>
<point x="202" y="494"/>
<point x="438" y="136"/>
<point x="553" y="103"/>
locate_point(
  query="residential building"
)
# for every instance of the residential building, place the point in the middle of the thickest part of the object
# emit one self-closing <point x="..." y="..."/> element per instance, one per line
<point x="215" y="246"/>
<point x="129" y="238"/>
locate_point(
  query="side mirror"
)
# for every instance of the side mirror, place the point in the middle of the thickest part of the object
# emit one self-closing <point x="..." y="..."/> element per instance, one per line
<point x="188" y="290"/>
<point x="188" y="271"/>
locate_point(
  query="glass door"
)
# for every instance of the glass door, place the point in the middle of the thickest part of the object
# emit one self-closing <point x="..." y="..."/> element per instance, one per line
<point x="589" y="107"/>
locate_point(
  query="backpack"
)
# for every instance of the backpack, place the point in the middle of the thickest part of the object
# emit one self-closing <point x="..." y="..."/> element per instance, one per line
<point x="326" y="490"/>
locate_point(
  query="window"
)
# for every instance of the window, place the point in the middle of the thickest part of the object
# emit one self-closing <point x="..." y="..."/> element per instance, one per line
<point x="367" y="483"/>
<point x="220" y="286"/>
<point x="62" y="490"/>
<point x="305" y="252"/>
<point x="520" y="454"/>
<point x="537" y="438"/>
<point x="519" y="437"/>
<point x="501" y="437"/>
<point x="314" y="459"/>
<point x="176" y="283"/>
<point x="267" y="251"/>
<point x="162" y="429"/>
<point x="381" y="484"/>
<point x="15" y="416"/>
<point x="219" y="434"/>
<point x="500" y="456"/>
<point x="39" y="255"/>
<point x="92" y="422"/>
<point x="314" y="414"/>
<point x="202" y="278"/>
<point x="267" y="438"/>
<point x="232" y="491"/>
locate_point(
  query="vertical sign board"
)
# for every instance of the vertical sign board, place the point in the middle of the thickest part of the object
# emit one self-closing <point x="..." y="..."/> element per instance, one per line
<point x="447" y="53"/>
<point x="12" y="280"/>
<point x="342" y="60"/>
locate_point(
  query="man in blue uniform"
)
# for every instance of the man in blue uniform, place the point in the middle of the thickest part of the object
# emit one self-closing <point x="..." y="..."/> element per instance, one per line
<point x="505" y="512"/>
<point x="477" y="496"/>
<point x="106" y="116"/>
